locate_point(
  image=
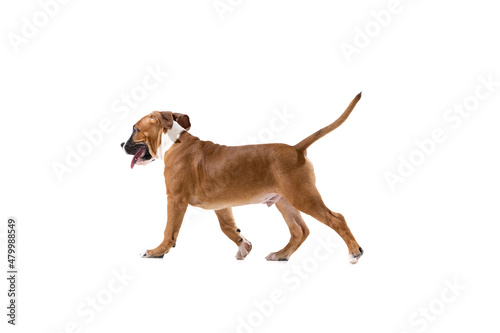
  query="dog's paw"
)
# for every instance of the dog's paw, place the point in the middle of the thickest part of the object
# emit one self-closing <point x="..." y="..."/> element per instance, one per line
<point x="276" y="256"/>
<point x="244" y="249"/>
<point x="354" y="258"/>
<point x="148" y="254"/>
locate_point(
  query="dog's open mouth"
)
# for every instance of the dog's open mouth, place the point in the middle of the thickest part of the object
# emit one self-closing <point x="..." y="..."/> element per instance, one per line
<point x="137" y="156"/>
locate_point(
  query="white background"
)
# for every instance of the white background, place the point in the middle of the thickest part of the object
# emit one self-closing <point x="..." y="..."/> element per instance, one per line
<point x="229" y="75"/>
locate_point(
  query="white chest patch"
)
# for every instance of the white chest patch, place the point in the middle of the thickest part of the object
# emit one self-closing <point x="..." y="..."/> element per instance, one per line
<point x="168" y="139"/>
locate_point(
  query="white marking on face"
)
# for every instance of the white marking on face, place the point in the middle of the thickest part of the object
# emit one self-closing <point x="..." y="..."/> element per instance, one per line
<point x="167" y="139"/>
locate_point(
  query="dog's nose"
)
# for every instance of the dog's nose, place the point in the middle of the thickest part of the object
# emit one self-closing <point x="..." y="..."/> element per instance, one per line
<point x="122" y="144"/>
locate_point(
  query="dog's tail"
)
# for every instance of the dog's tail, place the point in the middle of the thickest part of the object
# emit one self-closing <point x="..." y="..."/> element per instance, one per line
<point x="304" y="144"/>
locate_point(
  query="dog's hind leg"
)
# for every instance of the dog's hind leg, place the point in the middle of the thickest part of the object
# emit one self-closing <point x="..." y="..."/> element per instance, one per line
<point x="308" y="200"/>
<point x="228" y="226"/>
<point x="298" y="230"/>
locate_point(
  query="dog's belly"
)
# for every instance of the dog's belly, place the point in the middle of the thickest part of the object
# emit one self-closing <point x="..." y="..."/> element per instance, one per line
<point x="267" y="198"/>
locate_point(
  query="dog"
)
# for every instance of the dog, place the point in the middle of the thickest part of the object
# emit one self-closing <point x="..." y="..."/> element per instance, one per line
<point x="217" y="177"/>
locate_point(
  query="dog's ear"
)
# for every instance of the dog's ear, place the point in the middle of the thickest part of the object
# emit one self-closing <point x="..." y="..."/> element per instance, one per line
<point x="163" y="118"/>
<point x="166" y="119"/>
<point x="183" y="120"/>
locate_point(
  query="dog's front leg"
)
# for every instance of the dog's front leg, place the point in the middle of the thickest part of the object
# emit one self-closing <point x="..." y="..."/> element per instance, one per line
<point x="176" y="211"/>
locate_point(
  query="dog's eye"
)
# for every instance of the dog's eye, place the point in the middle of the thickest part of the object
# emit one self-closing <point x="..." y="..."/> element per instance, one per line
<point x="134" y="130"/>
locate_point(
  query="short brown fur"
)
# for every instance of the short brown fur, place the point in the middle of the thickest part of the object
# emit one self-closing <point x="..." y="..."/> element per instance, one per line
<point x="216" y="177"/>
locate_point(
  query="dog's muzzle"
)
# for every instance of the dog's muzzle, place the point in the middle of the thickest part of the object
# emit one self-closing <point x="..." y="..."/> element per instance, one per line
<point x="140" y="151"/>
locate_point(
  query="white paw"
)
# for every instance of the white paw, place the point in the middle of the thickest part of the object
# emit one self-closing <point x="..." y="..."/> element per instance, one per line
<point x="353" y="259"/>
<point x="244" y="249"/>
<point x="145" y="254"/>
<point x="274" y="257"/>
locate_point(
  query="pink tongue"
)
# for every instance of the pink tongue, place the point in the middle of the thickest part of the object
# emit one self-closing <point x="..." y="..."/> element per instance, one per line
<point x="138" y="155"/>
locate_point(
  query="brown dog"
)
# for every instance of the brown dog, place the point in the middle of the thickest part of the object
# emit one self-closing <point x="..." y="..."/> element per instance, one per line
<point x="211" y="176"/>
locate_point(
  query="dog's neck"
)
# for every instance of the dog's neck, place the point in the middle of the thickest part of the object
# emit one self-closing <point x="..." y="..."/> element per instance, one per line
<point x="168" y="139"/>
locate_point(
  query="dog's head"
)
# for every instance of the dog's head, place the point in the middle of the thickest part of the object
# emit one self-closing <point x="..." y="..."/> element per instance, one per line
<point x="147" y="132"/>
